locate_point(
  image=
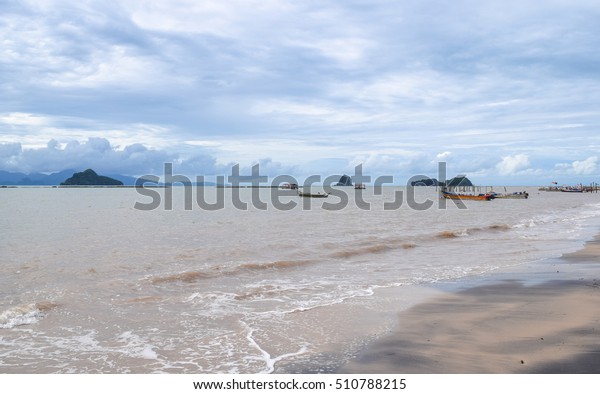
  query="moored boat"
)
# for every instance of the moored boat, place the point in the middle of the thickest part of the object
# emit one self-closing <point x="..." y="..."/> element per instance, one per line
<point x="569" y="189"/>
<point x="313" y="195"/>
<point x="516" y="195"/>
<point x="460" y="196"/>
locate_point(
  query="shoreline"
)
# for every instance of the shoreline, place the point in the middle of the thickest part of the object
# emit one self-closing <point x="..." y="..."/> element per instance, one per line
<point x="540" y="318"/>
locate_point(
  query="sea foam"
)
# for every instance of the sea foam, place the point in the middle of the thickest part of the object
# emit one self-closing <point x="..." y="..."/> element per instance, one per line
<point x="22" y="315"/>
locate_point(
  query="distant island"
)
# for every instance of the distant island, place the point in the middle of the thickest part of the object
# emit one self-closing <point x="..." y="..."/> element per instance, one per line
<point x="345" y="180"/>
<point x="90" y="178"/>
<point x="459" y="180"/>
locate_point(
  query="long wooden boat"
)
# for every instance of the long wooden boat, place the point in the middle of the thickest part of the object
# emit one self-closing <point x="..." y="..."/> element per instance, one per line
<point x="567" y="189"/>
<point x="313" y="195"/>
<point x="516" y="195"/>
<point x="459" y="196"/>
<point x="549" y="189"/>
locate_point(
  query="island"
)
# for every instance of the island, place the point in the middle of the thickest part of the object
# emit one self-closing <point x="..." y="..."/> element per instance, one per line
<point x="90" y="178"/>
<point x="345" y="180"/>
<point x="459" y="180"/>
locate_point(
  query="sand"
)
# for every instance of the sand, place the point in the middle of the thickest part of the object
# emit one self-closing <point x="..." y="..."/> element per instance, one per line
<point x="515" y="324"/>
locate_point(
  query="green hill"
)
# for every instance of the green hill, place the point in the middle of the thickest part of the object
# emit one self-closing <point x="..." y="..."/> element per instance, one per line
<point x="90" y="178"/>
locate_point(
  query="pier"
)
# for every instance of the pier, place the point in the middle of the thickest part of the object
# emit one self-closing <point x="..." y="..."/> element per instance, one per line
<point x="594" y="187"/>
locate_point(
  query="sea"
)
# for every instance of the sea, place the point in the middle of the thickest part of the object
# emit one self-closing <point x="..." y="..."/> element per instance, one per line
<point x="109" y="280"/>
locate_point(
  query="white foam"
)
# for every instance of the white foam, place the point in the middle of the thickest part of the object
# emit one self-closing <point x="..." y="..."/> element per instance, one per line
<point x="136" y="347"/>
<point x="87" y="342"/>
<point x="20" y="315"/>
<point x="215" y="304"/>
<point x="265" y="356"/>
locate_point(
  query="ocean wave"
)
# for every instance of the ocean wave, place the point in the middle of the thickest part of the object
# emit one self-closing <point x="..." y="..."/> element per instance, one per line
<point x="187" y="277"/>
<point x="448" y="234"/>
<point x="261" y="292"/>
<point x="572" y="218"/>
<point x="374" y="248"/>
<point x="221" y="271"/>
<point x="501" y="226"/>
<point x="380" y="245"/>
<point x="337" y="297"/>
<point x="465" y="232"/>
<point x="145" y="299"/>
<point x="275" y="264"/>
<point x="25" y="314"/>
<point x="269" y="300"/>
<point x="136" y="347"/>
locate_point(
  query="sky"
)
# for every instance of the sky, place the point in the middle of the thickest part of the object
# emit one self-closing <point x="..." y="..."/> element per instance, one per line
<point x="507" y="92"/>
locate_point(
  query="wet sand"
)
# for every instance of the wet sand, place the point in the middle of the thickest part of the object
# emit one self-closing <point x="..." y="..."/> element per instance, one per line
<point x="516" y="323"/>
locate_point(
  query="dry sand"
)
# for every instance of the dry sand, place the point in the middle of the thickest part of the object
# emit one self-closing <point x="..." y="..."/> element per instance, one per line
<point x="511" y="326"/>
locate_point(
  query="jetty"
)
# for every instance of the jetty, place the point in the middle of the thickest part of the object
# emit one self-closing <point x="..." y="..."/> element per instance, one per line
<point x="593" y="187"/>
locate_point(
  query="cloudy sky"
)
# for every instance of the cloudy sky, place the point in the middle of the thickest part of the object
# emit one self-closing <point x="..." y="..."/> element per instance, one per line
<point x="504" y="91"/>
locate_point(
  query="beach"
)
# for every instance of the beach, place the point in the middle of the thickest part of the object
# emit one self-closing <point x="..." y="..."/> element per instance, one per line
<point x="541" y="319"/>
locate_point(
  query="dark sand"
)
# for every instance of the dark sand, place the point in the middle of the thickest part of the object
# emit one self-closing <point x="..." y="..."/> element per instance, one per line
<point x="517" y="325"/>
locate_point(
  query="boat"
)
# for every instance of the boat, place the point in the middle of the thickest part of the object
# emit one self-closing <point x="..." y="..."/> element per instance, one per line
<point x="460" y="196"/>
<point x="360" y="186"/>
<point x="549" y="189"/>
<point x="290" y="186"/>
<point x="516" y="195"/>
<point x="569" y="189"/>
<point x="313" y="195"/>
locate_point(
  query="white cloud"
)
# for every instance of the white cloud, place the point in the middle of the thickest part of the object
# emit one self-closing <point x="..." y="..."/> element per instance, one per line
<point x="511" y="165"/>
<point x="99" y="154"/>
<point x="23" y="119"/>
<point x="231" y="19"/>
<point x="588" y="166"/>
<point x="9" y="153"/>
<point x="443" y="156"/>
<point x="117" y="66"/>
<point x="348" y="51"/>
<point x="35" y="130"/>
<point x="203" y="143"/>
<point x="392" y="161"/>
<point x="402" y="90"/>
<point x="315" y="114"/>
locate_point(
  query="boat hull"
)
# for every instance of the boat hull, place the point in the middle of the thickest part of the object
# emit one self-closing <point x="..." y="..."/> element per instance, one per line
<point x="455" y="196"/>
<point x="512" y="196"/>
<point x="313" y="195"/>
